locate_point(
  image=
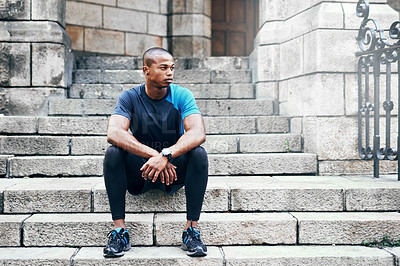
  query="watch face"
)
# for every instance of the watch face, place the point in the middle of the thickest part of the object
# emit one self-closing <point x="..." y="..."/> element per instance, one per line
<point x="166" y="152"/>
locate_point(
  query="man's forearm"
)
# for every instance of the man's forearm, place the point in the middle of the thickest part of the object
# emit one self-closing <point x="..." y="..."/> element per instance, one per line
<point x="186" y="143"/>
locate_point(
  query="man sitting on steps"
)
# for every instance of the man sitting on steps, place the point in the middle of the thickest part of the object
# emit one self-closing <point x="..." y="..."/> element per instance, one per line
<point x="161" y="153"/>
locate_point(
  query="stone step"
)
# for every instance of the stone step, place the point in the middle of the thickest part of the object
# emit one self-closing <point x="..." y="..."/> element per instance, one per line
<point x="218" y="256"/>
<point x="165" y="229"/>
<point x="98" y="125"/>
<point x="87" y="107"/>
<point x="223" y="194"/>
<point x="201" y="76"/>
<point x="132" y="63"/>
<point x="215" y="144"/>
<point x="226" y="164"/>
<point x="200" y="91"/>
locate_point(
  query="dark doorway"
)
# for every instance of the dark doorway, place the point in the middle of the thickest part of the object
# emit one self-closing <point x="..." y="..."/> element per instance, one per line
<point x="234" y="26"/>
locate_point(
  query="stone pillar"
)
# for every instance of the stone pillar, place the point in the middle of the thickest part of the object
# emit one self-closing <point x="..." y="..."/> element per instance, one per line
<point x="305" y="59"/>
<point x="35" y="58"/>
<point x="189" y="28"/>
<point x="395" y="4"/>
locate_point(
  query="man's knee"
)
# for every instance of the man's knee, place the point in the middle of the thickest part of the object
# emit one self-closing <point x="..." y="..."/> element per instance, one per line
<point x="113" y="155"/>
<point x="199" y="154"/>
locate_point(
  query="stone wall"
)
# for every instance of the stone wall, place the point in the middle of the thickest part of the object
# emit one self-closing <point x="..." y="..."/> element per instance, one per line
<point x="35" y="59"/>
<point x="305" y="60"/>
<point x="129" y="27"/>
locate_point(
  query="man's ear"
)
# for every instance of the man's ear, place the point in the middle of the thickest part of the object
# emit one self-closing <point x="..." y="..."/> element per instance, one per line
<point x="146" y="70"/>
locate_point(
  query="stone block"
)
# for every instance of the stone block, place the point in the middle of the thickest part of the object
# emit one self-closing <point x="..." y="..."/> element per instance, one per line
<point x="394" y="4"/>
<point x="272" y="124"/>
<point x="87" y="76"/>
<point x="9" y="232"/>
<point x="3" y="172"/>
<point x="267" y="90"/>
<point x="73" y="125"/>
<point x="27" y="101"/>
<point x="105" y="62"/>
<point x="34" y="145"/>
<point x="103" y="2"/>
<point x="36" y="256"/>
<point x="66" y="106"/>
<point x="83" y="14"/>
<point x="86" y="229"/>
<point x="226" y="63"/>
<point x="383" y="14"/>
<point x="216" y="198"/>
<point x="193" y="46"/>
<point x="104" y="41"/>
<point x="76" y="35"/>
<point x="149" y="256"/>
<point x="235" y="107"/>
<point x="53" y="10"/>
<point x="346" y="227"/>
<point x="229" y="125"/>
<point x="291" y="58"/>
<point x="191" y="24"/>
<point x="192" y="76"/>
<point x="318" y="58"/>
<point x="366" y="167"/>
<point x="331" y="167"/>
<point x="124" y="20"/>
<point x="96" y="91"/>
<point x="242" y="91"/>
<point x="221" y="144"/>
<point x="15" y="9"/>
<point x="270" y="194"/>
<point x="233" y="76"/>
<point x="15" y="64"/>
<point x="164" y="7"/>
<point x="49" y="195"/>
<point x="178" y="6"/>
<point x="246" y="164"/>
<point x="306" y="255"/>
<point x="296" y="125"/>
<point x="217" y="229"/>
<point x="122" y="76"/>
<point x="56" y="166"/>
<point x="157" y="24"/>
<point x="18" y="124"/>
<point x="320" y="94"/>
<point x="270" y="143"/>
<point x="207" y="91"/>
<point x="265" y="62"/>
<point x="137" y="44"/>
<point x="149" y="6"/>
<point x="49" y="67"/>
<point x="89" y="145"/>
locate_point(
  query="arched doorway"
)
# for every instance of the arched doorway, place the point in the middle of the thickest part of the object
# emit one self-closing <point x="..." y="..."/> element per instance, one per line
<point x="234" y="27"/>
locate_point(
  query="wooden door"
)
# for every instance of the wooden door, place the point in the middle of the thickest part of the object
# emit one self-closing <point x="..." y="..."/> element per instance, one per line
<point x="234" y="26"/>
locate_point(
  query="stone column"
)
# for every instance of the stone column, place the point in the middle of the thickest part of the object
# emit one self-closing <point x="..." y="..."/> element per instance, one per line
<point x="35" y="58"/>
<point x="189" y="27"/>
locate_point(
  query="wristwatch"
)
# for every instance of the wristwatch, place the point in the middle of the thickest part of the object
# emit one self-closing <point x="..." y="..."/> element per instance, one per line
<point x="167" y="153"/>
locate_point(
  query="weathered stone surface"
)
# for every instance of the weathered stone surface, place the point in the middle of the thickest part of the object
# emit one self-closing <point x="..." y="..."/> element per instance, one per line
<point x="331" y="167"/>
<point x="76" y="35"/>
<point x="18" y="124"/>
<point x="358" y="166"/>
<point x="394" y="4"/>
<point x="242" y="91"/>
<point x="37" y="256"/>
<point x="104" y="41"/>
<point x="3" y="172"/>
<point x="53" y="10"/>
<point x="192" y="76"/>
<point x="246" y="164"/>
<point x="9" y="230"/>
<point x="89" y="145"/>
<point x="346" y="227"/>
<point x="56" y="166"/>
<point x="270" y="143"/>
<point x="395" y="251"/>
<point x="235" y="107"/>
<point x="122" y="76"/>
<point x="12" y="10"/>
<point x="73" y="125"/>
<point x="137" y="44"/>
<point x="49" y="195"/>
<point x="270" y="194"/>
<point x="193" y="46"/>
<point x="86" y="76"/>
<point x="15" y="64"/>
<point x="273" y="124"/>
<point x="229" y="125"/>
<point x="265" y="62"/>
<point x="277" y="10"/>
<point x="143" y="256"/>
<point x="292" y="58"/>
<point x="216" y="198"/>
<point x="98" y="91"/>
<point x="103" y="2"/>
<point x="105" y="62"/>
<point x="83" y="14"/>
<point x="232" y="76"/>
<point x="191" y="24"/>
<point x="86" y="229"/>
<point x="49" y="65"/>
<point x="157" y="24"/>
<point x="34" y="145"/>
<point x="124" y="20"/>
<point x="150" y="6"/>
<point x="230" y="228"/>
<point x="226" y="63"/>
<point x="59" y="106"/>
<point x="306" y="255"/>
<point x="221" y="144"/>
<point x="207" y="91"/>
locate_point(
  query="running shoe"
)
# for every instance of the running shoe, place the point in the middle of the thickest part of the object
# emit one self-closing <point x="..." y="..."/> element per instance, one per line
<point x="118" y="243"/>
<point x="192" y="244"/>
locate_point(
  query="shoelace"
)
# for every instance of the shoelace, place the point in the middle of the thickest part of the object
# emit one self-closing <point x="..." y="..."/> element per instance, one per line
<point x="195" y="236"/>
<point x="114" y="239"/>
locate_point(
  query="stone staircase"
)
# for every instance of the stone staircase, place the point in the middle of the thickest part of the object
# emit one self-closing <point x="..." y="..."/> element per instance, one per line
<point x="264" y="204"/>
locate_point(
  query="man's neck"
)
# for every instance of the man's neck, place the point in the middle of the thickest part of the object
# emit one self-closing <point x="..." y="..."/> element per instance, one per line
<point x="155" y="93"/>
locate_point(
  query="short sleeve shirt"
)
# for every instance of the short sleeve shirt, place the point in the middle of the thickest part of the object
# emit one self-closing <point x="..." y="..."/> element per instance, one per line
<point x="157" y="123"/>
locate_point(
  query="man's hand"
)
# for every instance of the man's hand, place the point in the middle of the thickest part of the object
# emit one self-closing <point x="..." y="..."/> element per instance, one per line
<point x="169" y="174"/>
<point x="153" y="167"/>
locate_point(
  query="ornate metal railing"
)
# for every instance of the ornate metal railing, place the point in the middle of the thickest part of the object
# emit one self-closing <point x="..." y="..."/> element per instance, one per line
<point x="379" y="55"/>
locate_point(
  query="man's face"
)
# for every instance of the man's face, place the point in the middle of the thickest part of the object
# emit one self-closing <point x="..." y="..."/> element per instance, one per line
<point x="161" y="72"/>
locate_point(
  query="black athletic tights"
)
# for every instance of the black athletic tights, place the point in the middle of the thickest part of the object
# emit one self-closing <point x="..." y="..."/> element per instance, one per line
<point x="122" y="173"/>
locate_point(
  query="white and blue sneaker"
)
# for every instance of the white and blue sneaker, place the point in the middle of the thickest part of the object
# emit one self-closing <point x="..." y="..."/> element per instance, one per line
<point x="118" y="243"/>
<point x="192" y="244"/>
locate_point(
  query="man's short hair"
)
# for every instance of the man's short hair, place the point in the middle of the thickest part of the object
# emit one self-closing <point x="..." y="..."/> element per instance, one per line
<point x="148" y="56"/>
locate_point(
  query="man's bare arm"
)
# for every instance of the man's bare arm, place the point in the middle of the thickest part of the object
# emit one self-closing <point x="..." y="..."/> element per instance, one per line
<point x="118" y="135"/>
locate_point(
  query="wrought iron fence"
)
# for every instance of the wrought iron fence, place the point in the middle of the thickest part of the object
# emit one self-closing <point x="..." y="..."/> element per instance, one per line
<point x="377" y="57"/>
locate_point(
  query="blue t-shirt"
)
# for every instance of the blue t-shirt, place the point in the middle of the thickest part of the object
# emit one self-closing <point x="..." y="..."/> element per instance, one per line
<point x="157" y="123"/>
